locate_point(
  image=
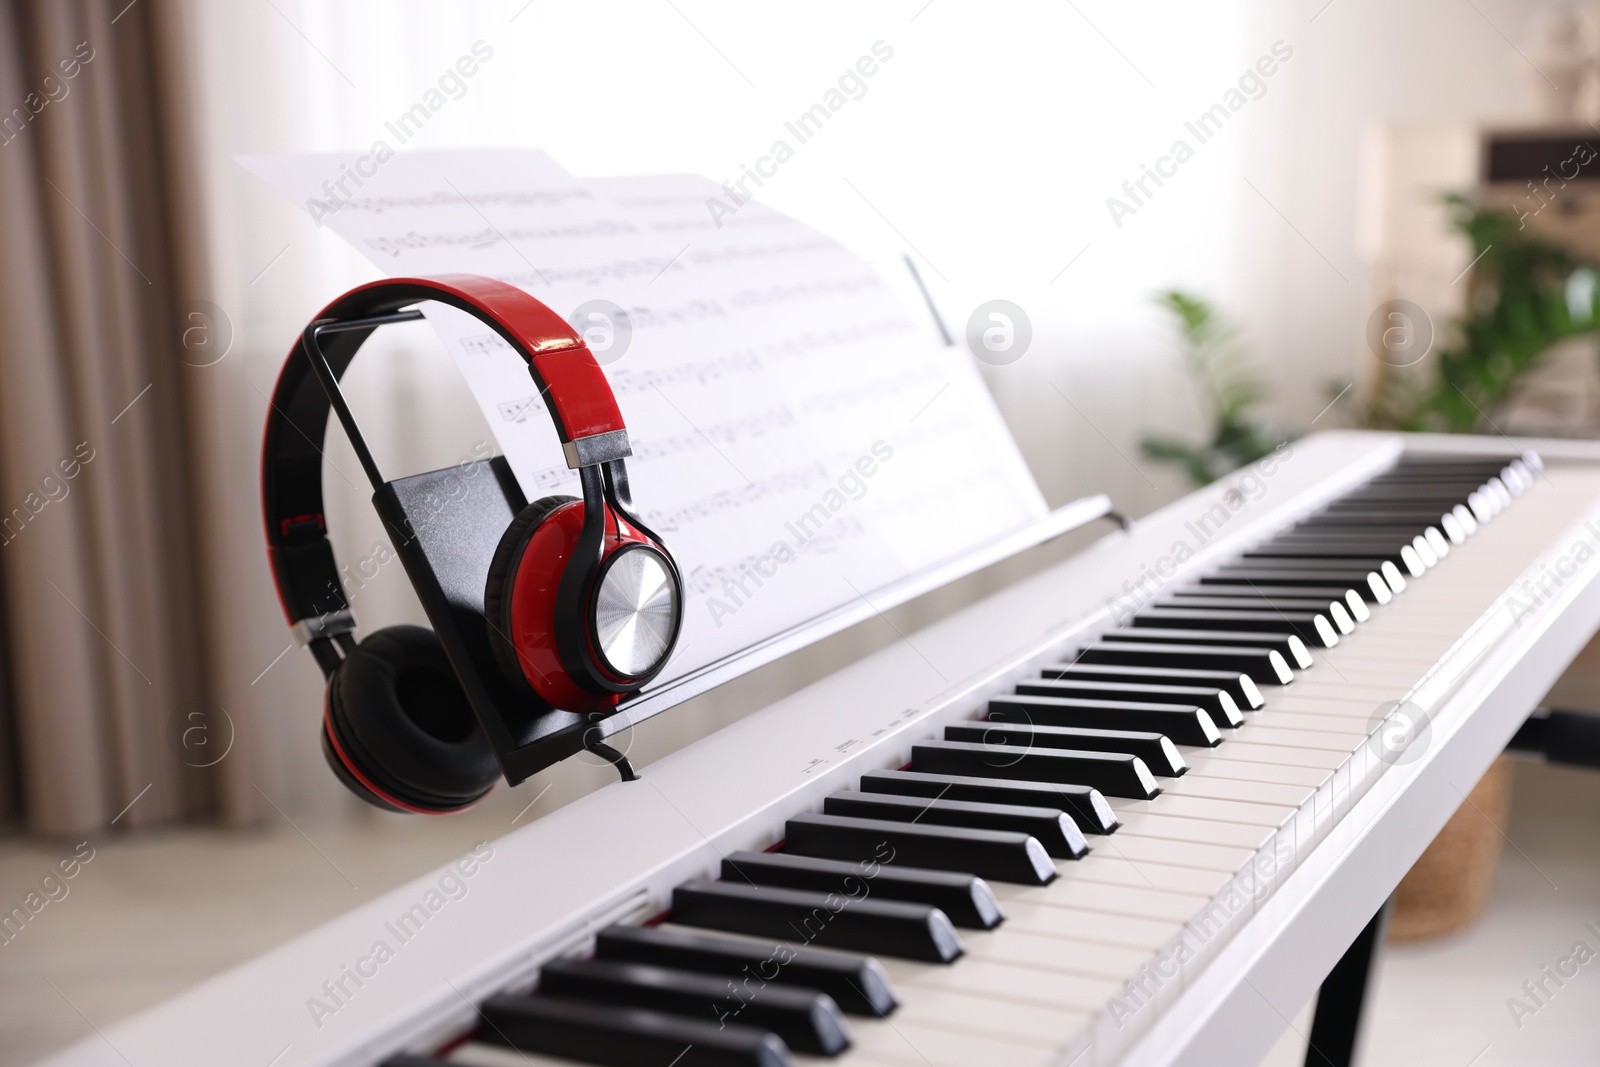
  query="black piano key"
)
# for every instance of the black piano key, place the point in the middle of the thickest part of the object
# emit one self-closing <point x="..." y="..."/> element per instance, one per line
<point x="1387" y="512"/>
<point x="858" y="984"/>
<point x="1263" y="665"/>
<point x="1184" y="725"/>
<point x="624" y="1037"/>
<point x="1057" y="832"/>
<point x="1245" y="598"/>
<point x="1351" y="543"/>
<point x="1240" y="686"/>
<point x="1406" y="557"/>
<point x="1312" y="627"/>
<point x="1441" y="496"/>
<point x="1289" y="646"/>
<point x="1010" y="729"/>
<point x="967" y="900"/>
<point x="1372" y="515"/>
<point x="1386" y="575"/>
<point x="1381" y="541"/>
<point x="1222" y="708"/>
<point x="996" y="855"/>
<point x="1354" y="599"/>
<point x="1265" y="577"/>
<point x="1359" y="554"/>
<point x="1087" y="806"/>
<point x="832" y="920"/>
<point x="1242" y="595"/>
<point x="1115" y="774"/>
<point x="806" y="1020"/>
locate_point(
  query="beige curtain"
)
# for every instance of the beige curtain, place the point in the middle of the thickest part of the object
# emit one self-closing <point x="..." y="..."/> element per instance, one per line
<point x="101" y="619"/>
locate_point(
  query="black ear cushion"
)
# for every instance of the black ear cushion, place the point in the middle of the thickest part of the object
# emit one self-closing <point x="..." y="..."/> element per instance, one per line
<point x="402" y="719"/>
<point x="497" y="589"/>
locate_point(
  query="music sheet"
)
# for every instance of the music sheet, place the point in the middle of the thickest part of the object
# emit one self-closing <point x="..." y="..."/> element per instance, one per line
<point x="796" y="441"/>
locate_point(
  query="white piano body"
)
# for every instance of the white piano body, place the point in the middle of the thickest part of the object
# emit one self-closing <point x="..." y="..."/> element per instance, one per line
<point x="616" y="854"/>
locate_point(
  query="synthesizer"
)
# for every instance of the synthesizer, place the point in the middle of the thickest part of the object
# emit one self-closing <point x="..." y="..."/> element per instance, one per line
<point x="1129" y="810"/>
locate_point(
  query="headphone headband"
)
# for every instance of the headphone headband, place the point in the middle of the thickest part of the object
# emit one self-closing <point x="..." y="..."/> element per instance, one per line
<point x="563" y="369"/>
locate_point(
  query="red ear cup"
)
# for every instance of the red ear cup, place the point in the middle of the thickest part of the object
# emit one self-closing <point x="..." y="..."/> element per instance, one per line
<point x="533" y="553"/>
<point x="520" y="601"/>
<point x="520" y="670"/>
<point x="398" y="730"/>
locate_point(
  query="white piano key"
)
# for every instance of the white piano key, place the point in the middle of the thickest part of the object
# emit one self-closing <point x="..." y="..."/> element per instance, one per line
<point x="1093" y="927"/>
<point x="1221" y="765"/>
<point x="1060" y="950"/>
<point x="997" y="1016"/>
<point x="1333" y="740"/>
<point x="1147" y="874"/>
<point x="923" y="1044"/>
<point x="1027" y="985"/>
<point x="1225" y="858"/>
<point x="1235" y="835"/>
<point x="1254" y="792"/>
<point x="1320" y="721"/>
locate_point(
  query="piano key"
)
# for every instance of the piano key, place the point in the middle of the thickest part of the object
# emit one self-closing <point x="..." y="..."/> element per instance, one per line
<point x="1114" y="774"/>
<point x="1251" y="792"/>
<point x="1337" y="518"/>
<point x="1108" y="897"/>
<point x="1213" y="699"/>
<point x="1376" y="581"/>
<point x="858" y="984"/>
<point x="1027" y="985"/>
<point x="1364" y="553"/>
<point x="1263" y="665"/>
<point x="1184" y="725"/>
<point x="1103" y="867"/>
<point x="1241" y="687"/>
<point x="1255" y="598"/>
<point x="1221" y="767"/>
<point x="1354" y="600"/>
<point x="1332" y="569"/>
<point x="1058" y="834"/>
<point x="966" y="900"/>
<point x="1303" y="573"/>
<point x="993" y="855"/>
<point x="1312" y="627"/>
<point x="1151" y="824"/>
<point x="1122" y="931"/>
<point x="1087" y="806"/>
<point x="1010" y="734"/>
<point x="806" y="1020"/>
<point x="832" y="920"/>
<point x="975" y="1012"/>
<point x="591" y="1033"/>
<point x="1372" y="586"/>
<point x="1289" y="646"/>
<point x="1061" y="949"/>
<point x="946" y="1043"/>
<point x="1224" y="858"/>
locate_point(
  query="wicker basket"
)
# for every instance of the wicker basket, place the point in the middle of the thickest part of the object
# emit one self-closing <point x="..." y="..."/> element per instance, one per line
<point x="1450" y="884"/>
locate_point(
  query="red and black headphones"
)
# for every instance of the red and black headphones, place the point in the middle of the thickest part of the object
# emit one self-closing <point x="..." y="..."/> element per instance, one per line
<point x="582" y="604"/>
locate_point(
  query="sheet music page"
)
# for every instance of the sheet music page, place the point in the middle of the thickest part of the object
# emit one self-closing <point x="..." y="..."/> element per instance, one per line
<point x="796" y="442"/>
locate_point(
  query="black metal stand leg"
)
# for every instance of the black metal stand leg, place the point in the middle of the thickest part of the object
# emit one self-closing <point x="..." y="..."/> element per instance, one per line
<point x="1336" y="1026"/>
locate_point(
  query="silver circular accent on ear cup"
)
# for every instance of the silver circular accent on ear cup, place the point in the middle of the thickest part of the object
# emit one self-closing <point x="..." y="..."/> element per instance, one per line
<point x="635" y="611"/>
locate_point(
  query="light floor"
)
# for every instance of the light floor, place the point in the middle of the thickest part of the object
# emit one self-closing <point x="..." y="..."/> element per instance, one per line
<point x="143" y="919"/>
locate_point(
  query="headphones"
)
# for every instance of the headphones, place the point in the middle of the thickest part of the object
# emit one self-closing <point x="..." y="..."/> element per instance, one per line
<point x="582" y="605"/>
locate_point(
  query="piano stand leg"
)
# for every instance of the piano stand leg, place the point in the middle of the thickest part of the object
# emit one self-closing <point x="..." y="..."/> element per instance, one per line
<point x="1336" y="1026"/>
